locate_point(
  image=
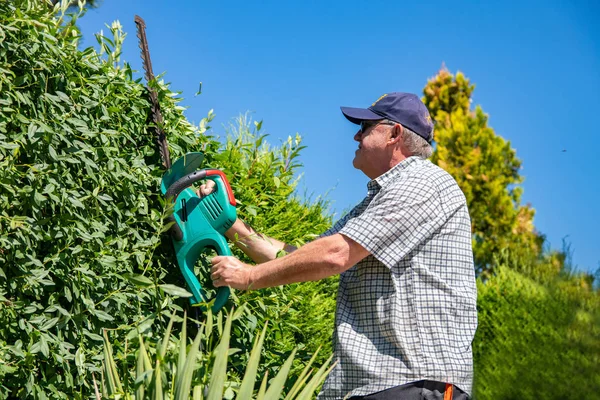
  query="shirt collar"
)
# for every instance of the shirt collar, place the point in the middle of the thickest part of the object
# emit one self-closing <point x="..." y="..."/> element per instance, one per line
<point x="384" y="179"/>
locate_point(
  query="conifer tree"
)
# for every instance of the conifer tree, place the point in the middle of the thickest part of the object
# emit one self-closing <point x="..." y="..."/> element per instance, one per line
<point x="486" y="168"/>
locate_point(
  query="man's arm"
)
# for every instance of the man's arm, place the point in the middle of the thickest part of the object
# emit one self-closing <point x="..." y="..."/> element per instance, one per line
<point x="316" y="260"/>
<point x="257" y="246"/>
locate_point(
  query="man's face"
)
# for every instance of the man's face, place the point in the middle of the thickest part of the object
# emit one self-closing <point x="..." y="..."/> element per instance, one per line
<point x="372" y="139"/>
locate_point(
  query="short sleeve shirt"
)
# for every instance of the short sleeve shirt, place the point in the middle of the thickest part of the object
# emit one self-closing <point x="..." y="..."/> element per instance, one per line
<point x="408" y="310"/>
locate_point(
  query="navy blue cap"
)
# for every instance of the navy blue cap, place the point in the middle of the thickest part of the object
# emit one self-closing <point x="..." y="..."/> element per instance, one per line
<point x="405" y="108"/>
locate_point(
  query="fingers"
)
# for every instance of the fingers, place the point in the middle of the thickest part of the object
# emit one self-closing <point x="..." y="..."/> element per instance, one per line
<point x="206" y="188"/>
<point x="217" y="259"/>
<point x="215" y="275"/>
<point x="216" y="269"/>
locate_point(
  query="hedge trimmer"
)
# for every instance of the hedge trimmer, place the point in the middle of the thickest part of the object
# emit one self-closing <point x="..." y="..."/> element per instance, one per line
<point x="198" y="223"/>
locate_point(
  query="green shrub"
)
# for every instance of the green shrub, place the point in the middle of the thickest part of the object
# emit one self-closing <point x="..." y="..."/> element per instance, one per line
<point x="166" y="369"/>
<point x="537" y="340"/>
<point x="81" y="242"/>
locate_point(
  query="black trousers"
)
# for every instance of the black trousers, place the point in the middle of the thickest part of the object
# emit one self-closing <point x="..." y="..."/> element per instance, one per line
<point x="419" y="390"/>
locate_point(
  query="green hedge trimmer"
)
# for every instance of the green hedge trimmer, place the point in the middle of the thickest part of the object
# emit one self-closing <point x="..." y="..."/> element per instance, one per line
<point x="198" y="222"/>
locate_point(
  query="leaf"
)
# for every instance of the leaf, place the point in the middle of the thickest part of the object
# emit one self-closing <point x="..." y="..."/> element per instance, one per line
<point x="182" y="355"/>
<point x="157" y="378"/>
<point x="102" y="315"/>
<point x="110" y="368"/>
<point x="63" y="97"/>
<point x="263" y="387"/>
<point x="80" y="359"/>
<point x="107" y="260"/>
<point x="175" y="290"/>
<point x="138" y="280"/>
<point x="49" y="324"/>
<point x="143" y="369"/>
<point x="92" y="336"/>
<point x="167" y="226"/>
<point x="302" y="377"/>
<point x="165" y="341"/>
<point x="9" y="146"/>
<point x="58" y="308"/>
<point x="277" y="383"/>
<point x="247" y="386"/>
<point x="219" y="371"/>
<point x="39" y="198"/>
<point x="52" y="152"/>
<point x="75" y="202"/>
<point x="317" y="379"/>
<point x="184" y="385"/>
<point x="44" y="346"/>
<point x="251" y="210"/>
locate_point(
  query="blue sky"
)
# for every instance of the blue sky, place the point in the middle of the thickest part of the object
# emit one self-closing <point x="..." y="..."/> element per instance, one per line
<point x="293" y="64"/>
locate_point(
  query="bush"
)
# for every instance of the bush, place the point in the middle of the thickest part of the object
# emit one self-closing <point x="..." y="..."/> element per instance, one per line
<point x="536" y="340"/>
<point x="81" y="244"/>
<point x="165" y="368"/>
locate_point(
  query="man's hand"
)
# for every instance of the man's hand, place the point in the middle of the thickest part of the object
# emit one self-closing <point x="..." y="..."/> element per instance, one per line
<point x="206" y="188"/>
<point x="229" y="271"/>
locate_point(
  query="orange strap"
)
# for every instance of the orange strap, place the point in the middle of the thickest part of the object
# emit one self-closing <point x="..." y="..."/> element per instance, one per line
<point x="448" y="391"/>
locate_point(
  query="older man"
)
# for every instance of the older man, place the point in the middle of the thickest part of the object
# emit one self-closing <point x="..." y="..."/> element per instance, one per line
<point x="406" y="306"/>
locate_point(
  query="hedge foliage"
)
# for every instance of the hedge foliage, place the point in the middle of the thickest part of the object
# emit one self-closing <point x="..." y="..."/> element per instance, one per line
<point x="81" y="245"/>
<point x="537" y="338"/>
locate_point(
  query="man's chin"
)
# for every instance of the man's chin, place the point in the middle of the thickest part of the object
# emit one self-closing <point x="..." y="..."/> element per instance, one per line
<point x="356" y="162"/>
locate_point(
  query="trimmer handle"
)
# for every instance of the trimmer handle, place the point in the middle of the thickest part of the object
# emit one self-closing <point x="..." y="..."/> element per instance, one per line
<point x="187" y="268"/>
<point x="188" y="180"/>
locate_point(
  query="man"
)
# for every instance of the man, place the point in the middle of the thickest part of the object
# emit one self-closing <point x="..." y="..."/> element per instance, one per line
<point x="406" y="306"/>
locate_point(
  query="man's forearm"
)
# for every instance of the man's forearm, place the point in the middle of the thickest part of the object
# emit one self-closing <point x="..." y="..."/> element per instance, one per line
<point x="258" y="247"/>
<point x="316" y="260"/>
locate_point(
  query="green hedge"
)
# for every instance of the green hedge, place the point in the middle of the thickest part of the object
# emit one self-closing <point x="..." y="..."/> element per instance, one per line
<point x="81" y="247"/>
<point x="537" y="340"/>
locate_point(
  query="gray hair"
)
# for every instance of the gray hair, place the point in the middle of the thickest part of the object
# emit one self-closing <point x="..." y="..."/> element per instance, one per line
<point x="415" y="144"/>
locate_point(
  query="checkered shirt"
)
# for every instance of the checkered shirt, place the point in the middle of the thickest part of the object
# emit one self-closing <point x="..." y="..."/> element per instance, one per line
<point x="408" y="310"/>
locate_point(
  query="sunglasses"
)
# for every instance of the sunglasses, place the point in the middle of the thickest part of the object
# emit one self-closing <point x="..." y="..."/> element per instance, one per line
<point x="366" y="125"/>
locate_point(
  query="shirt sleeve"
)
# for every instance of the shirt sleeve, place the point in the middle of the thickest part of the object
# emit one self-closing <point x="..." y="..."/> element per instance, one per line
<point x="341" y="222"/>
<point x="397" y="221"/>
<point x="335" y="228"/>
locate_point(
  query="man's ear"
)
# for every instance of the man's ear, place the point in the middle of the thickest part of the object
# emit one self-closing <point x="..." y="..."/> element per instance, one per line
<point x="396" y="134"/>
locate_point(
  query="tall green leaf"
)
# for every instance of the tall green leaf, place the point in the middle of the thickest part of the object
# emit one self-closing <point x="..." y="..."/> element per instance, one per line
<point x="182" y="356"/>
<point x="110" y="368"/>
<point x="278" y="382"/>
<point x="304" y="375"/>
<point x="219" y="371"/>
<point x="184" y="384"/>
<point x="317" y="379"/>
<point x="263" y="387"/>
<point x="247" y="387"/>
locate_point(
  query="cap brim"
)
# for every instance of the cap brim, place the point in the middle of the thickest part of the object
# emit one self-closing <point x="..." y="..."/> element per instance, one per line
<point x="357" y="115"/>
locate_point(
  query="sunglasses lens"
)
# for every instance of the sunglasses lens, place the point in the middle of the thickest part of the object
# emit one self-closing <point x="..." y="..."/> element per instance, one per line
<point x="364" y="125"/>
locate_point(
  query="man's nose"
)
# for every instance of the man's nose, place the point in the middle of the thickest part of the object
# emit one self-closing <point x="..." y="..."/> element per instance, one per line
<point x="358" y="135"/>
